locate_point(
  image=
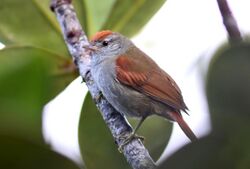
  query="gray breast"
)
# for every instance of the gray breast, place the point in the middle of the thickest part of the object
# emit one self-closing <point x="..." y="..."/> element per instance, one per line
<point x="124" y="99"/>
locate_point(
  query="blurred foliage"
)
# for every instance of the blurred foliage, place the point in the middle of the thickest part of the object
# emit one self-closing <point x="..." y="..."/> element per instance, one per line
<point x="26" y="22"/>
<point x="22" y="154"/>
<point x="36" y="66"/>
<point x="24" y="86"/>
<point x="127" y="17"/>
<point x="228" y="93"/>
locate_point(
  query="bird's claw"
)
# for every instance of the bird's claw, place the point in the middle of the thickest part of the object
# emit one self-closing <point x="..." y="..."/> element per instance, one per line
<point x="128" y="139"/>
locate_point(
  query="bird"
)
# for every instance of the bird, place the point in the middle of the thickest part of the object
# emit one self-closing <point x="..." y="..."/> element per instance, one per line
<point x="133" y="83"/>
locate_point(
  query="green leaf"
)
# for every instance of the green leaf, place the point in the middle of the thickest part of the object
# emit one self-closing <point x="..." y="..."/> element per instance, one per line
<point x="152" y="128"/>
<point x="128" y="17"/>
<point x="81" y="11"/>
<point x="228" y="82"/>
<point x="97" y="146"/>
<point x="29" y="22"/>
<point x="96" y="13"/>
<point x="212" y="152"/>
<point x="17" y="153"/>
<point x="26" y="85"/>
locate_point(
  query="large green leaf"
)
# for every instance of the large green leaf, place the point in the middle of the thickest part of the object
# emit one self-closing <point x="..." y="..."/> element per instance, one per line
<point x="128" y="17"/>
<point x="97" y="146"/>
<point x="16" y="153"/>
<point x="228" y="82"/>
<point x="26" y="84"/>
<point x="28" y="22"/>
<point x="212" y="152"/>
<point x="96" y="14"/>
<point x="156" y="131"/>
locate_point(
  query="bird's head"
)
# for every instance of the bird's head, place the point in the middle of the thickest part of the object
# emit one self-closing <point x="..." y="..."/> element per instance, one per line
<point x="108" y="44"/>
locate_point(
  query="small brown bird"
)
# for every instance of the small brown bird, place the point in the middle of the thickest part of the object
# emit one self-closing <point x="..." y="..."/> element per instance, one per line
<point x="133" y="83"/>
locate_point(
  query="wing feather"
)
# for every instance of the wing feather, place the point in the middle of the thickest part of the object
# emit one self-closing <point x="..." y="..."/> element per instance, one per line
<point x="143" y="74"/>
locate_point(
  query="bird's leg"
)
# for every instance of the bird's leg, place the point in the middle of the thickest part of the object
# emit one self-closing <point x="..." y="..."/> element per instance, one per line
<point x="137" y="127"/>
<point x="133" y="135"/>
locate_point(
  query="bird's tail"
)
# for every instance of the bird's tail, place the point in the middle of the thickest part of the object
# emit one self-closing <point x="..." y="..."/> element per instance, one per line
<point x="184" y="126"/>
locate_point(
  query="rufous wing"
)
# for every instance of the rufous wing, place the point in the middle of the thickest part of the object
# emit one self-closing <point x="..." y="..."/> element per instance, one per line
<point x="136" y="70"/>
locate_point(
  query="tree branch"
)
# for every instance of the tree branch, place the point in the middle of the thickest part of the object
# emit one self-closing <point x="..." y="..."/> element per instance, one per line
<point x="229" y="21"/>
<point x="75" y="38"/>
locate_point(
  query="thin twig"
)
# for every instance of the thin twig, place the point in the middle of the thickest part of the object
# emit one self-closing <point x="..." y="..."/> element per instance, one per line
<point x="229" y="21"/>
<point x="75" y="38"/>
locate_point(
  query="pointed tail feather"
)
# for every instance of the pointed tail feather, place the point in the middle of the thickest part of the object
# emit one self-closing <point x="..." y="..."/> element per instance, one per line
<point x="184" y="126"/>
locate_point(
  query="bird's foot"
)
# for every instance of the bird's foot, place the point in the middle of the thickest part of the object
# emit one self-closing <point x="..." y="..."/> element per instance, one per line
<point x="128" y="139"/>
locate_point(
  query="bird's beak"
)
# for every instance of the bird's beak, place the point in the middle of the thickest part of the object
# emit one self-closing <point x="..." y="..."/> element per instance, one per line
<point x="90" y="48"/>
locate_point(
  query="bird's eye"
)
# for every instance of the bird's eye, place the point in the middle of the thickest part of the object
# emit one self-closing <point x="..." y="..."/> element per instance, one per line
<point x="105" y="43"/>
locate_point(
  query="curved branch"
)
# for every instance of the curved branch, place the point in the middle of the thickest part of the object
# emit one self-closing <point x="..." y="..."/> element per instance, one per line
<point x="229" y="21"/>
<point x="75" y="38"/>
